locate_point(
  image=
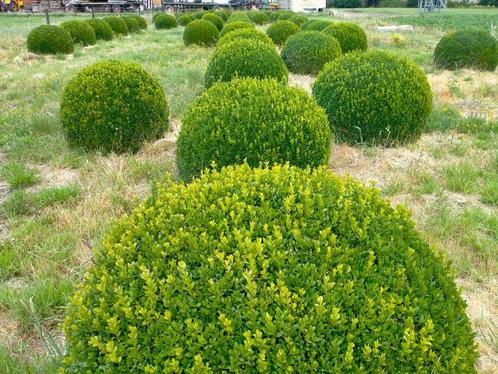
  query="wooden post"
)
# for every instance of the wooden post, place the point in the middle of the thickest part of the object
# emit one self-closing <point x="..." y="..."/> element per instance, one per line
<point x="47" y="17"/>
<point x="93" y="14"/>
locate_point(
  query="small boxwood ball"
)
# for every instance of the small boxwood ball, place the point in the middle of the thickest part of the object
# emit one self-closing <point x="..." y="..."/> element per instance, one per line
<point x="236" y="25"/>
<point x="315" y="25"/>
<point x="223" y="14"/>
<point x="251" y="34"/>
<point x="306" y="52"/>
<point x="102" y="29"/>
<point x="258" y="17"/>
<point x="273" y="16"/>
<point x="142" y="23"/>
<point x="50" y="40"/>
<point x="80" y="31"/>
<point x="467" y="49"/>
<point x="165" y="21"/>
<point x="268" y="270"/>
<point x="118" y="25"/>
<point x="197" y="15"/>
<point x="285" y="15"/>
<point x="350" y="36"/>
<point x="185" y="19"/>
<point x="201" y="32"/>
<point x="132" y="24"/>
<point x="252" y="120"/>
<point x="214" y="19"/>
<point x="245" y="58"/>
<point x="374" y="97"/>
<point x="298" y="20"/>
<point x="281" y="30"/>
<point x="239" y="16"/>
<point x="113" y="106"/>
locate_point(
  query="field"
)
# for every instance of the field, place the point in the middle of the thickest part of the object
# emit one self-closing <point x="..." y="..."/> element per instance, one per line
<point x="57" y="203"/>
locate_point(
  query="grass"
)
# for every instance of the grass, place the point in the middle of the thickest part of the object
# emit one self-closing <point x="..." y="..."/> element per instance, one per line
<point x="449" y="178"/>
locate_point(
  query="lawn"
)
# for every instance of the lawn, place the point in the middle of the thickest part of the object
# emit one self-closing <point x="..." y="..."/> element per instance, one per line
<point x="57" y="203"/>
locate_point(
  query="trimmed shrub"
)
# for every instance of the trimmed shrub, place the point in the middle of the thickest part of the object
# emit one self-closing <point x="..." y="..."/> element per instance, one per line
<point x="80" y="31"/>
<point x="239" y="16"/>
<point x="201" y="32"/>
<point x="197" y="14"/>
<point x="251" y="34"/>
<point x="223" y="14"/>
<point x="306" y="52"/>
<point x="315" y="25"/>
<point x="156" y="15"/>
<point x="467" y="48"/>
<point x="245" y="58"/>
<point x="214" y="19"/>
<point x="185" y="19"/>
<point x="258" y="17"/>
<point x="165" y="21"/>
<point x="274" y="16"/>
<point x="374" y="97"/>
<point x="132" y="24"/>
<point x="285" y="15"/>
<point x="236" y="25"/>
<point x="118" y="25"/>
<point x="254" y="121"/>
<point x="102" y="29"/>
<point x="298" y="20"/>
<point x="350" y="36"/>
<point x="281" y="30"/>
<point x="142" y="23"/>
<point x="50" y="40"/>
<point x="268" y="270"/>
<point x="113" y="106"/>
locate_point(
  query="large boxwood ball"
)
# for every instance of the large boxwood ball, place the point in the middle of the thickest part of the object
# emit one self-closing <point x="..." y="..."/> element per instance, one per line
<point x="132" y="24"/>
<point x="50" y="40"/>
<point x="251" y="34"/>
<point x="306" y="52"/>
<point x="467" y="48"/>
<point x="281" y="30"/>
<point x="200" y="32"/>
<point x="350" y="36"/>
<point x="214" y="19"/>
<point x="315" y="25"/>
<point x="258" y="17"/>
<point x="278" y="270"/>
<point x="164" y="21"/>
<point x="118" y="25"/>
<point x="80" y="31"/>
<point x="236" y="25"/>
<point x="252" y="120"/>
<point x="185" y="19"/>
<point x="102" y="29"/>
<point x="245" y="58"/>
<point x="113" y="106"/>
<point x="374" y="97"/>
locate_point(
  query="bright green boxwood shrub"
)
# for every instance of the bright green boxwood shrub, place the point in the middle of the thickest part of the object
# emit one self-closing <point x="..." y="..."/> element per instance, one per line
<point x="80" y="31"/>
<point x="113" y="106"/>
<point x="258" y="17"/>
<point x="236" y="25"/>
<point x="118" y="25"/>
<point x="197" y="14"/>
<point x="306" y="52"/>
<point x="350" y="36"/>
<point x="102" y="29"/>
<point x="214" y="19"/>
<point x="165" y="21"/>
<point x="201" y="32"/>
<point x="252" y="120"/>
<point x="250" y="33"/>
<point x="50" y="40"/>
<point x="185" y="19"/>
<point x="374" y="97"/>
<point x="132" y="24"/>
<point x="315" y="25"/>
<point x="298" y="20"/>
<point x="467" y="49"/>
<point x="281" y="30"/>
<point x="239" y="16"/>
<point x="245" y="58"/>
<point x="271" y="270"/>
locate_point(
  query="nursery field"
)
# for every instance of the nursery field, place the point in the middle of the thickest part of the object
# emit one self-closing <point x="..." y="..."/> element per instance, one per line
<point x="57" y="202"/>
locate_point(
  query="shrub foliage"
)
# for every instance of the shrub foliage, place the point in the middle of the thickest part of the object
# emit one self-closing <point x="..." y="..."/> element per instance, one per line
<point x="258" y="17"/>
<point x="102" y="29"/>
<point x="374" y="97"/>
<point x="315" y="25"/>
<point x="185" y="19"/>
<point x="281" y="30"/>
<point x="50" y="40"/>
<point x="118" y="25"/>
<point x="350" y="36"/>
<point x="214" y="19"/>
<point x="80" y="31"/>
<point x="165" y="21"/>
<point x="236" y="25"/>
<point x="131" y="23"/>
<point x="247" y="34"/>
<point x="267" y="270"/>
<point x="113" y="106"/>
<point x="200" y="32"/>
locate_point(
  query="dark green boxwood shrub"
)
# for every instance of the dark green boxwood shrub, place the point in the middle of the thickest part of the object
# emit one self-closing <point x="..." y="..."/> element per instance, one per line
<point x="118" y="25"/>
<point x="102" y="29"/>
<point x="350" y="36"/>
<point x="236" y="25"/>
<point x="200" y="32"/>
<point x="285" y="15"/>
<point x="306" y="52"/>
<point x="274" y="16"/>
<point x="251" y="34"/>
<point x="142" y="23"/>
<point x="132" y="24"/>
<point x="298" y="20"/>
<point x="214" y="19"/>
<point x="252" y="120"/>
<point x="281" y="30"/>
<point x="156" y="15"/>
<point x="197" y="15"/>
<point x="185" y="19"/>
<point x="223" y="14"/>
<point x="467" y="48"/>
<point x="165" y="21"/>
<point x="258" y="17"/>
<point x="315" y="25"/>
<point x="50" y="40"/>
<point x="245" y="58"/>
<point x="268" y="270"/>
<point x="113" y="106"/>
<point x="374" y="98"/>
<point x="80" y="31"/>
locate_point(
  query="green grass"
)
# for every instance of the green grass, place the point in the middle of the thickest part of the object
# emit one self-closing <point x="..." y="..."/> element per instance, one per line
<point x="18" y="175"/>
<point x="461" y="177"/>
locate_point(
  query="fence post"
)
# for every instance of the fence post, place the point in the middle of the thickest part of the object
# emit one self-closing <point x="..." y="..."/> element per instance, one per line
<point x="47" y="17"/>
